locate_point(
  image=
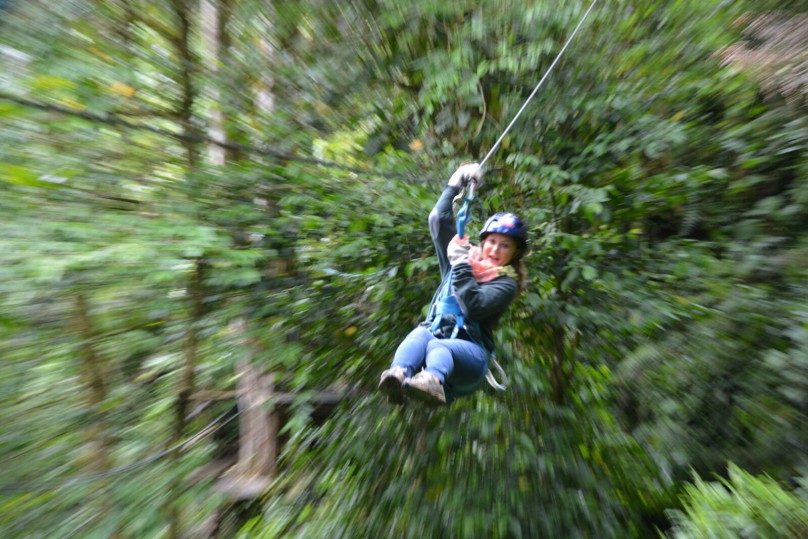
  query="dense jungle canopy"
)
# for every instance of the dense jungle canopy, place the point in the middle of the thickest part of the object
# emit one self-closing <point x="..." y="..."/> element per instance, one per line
<point x="213" y="237"/>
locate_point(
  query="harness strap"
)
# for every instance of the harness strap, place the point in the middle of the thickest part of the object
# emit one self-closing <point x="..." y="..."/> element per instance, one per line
<point x="464" y="214"/>
<point x="449" y="305"/>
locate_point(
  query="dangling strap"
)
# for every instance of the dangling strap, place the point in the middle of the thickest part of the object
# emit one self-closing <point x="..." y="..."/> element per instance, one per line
<point x="489" y="376"/>
<point x="464" y="215"/>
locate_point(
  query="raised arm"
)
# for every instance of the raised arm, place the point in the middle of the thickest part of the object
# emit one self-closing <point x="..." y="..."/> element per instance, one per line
<point x="441" y="219"/>
<point x="442" y="226"/>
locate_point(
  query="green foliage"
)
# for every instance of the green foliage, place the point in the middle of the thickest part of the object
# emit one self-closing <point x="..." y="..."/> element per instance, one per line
<point x="728" y="383"/>
<point x="518" y="467"/>
<point x="663" y="329"/>
<point x="741" y="506"/>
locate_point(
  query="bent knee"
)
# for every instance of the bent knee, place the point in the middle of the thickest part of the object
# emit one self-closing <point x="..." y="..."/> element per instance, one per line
<point x="435" y="344"/>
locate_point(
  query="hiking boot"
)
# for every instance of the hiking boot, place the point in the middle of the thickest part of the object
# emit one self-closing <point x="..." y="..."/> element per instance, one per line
<point x="390" y="384"/>
<point x="425" y="387"/>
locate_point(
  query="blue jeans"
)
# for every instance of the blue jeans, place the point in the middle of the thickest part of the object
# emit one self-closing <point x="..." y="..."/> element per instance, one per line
<point x="456" y="362"/>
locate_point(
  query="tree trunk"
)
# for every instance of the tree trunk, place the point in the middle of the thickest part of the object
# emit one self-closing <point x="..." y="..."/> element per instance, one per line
<point x="258" y="426"/>
<point x="213" y="54"/>
<point x="186" y="60"/>
<point x="186" y="388"/>
<point x="187" y="65"/>
<point x="99" y="459"/>
<point x="258" y="444"/>
<point x="264" y="96"/>
<point x="92" y="373"/>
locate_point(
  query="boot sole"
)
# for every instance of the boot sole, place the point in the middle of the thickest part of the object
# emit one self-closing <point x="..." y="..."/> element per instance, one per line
<point x="391" y="387"/>
<point x="424" y="396"/>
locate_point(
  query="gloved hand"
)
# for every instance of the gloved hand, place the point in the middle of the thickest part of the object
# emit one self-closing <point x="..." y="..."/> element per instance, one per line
<point x="469" y="171"/>
<point x="458" y="250"/>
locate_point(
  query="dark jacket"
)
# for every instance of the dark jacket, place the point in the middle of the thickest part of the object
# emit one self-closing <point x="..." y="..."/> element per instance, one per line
<point x="484" y="303"/>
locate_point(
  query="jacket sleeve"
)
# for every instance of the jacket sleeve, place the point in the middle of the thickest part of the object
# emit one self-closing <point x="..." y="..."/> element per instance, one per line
<point x="442" y="226"/>
<point x="481" y="302"/>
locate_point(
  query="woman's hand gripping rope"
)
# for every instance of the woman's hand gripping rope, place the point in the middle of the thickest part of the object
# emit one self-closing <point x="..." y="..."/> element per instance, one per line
<point x="468" y="175"/>
<point x="465" y="174"/>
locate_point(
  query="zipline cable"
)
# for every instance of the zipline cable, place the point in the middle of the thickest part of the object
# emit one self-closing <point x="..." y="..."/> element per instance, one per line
<point x="464" y="215"/>
<point x="536" y="89"/>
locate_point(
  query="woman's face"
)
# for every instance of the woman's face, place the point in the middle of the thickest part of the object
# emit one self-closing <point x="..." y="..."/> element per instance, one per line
<point x="498" y="249"/>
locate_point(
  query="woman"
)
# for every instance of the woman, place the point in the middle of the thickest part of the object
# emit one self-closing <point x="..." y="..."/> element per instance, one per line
<point x="485" y="281"/>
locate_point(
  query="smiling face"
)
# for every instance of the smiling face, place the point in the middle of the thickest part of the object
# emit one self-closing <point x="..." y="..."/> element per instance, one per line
<point x="499" y="249"/>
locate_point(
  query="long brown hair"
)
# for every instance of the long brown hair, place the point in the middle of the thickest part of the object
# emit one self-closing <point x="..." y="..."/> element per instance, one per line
<point x="520" y="267"/>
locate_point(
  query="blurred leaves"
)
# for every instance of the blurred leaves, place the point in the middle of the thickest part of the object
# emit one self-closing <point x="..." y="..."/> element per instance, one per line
<point x="742" y="505"/>
<point x="664" y="328"/>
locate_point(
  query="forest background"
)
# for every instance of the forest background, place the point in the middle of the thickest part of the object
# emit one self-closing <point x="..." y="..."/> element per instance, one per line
<point x="213" y="222"/>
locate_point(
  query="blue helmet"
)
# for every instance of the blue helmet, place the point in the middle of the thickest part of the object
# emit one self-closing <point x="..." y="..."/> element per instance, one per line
<point x="508" y="224"/>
